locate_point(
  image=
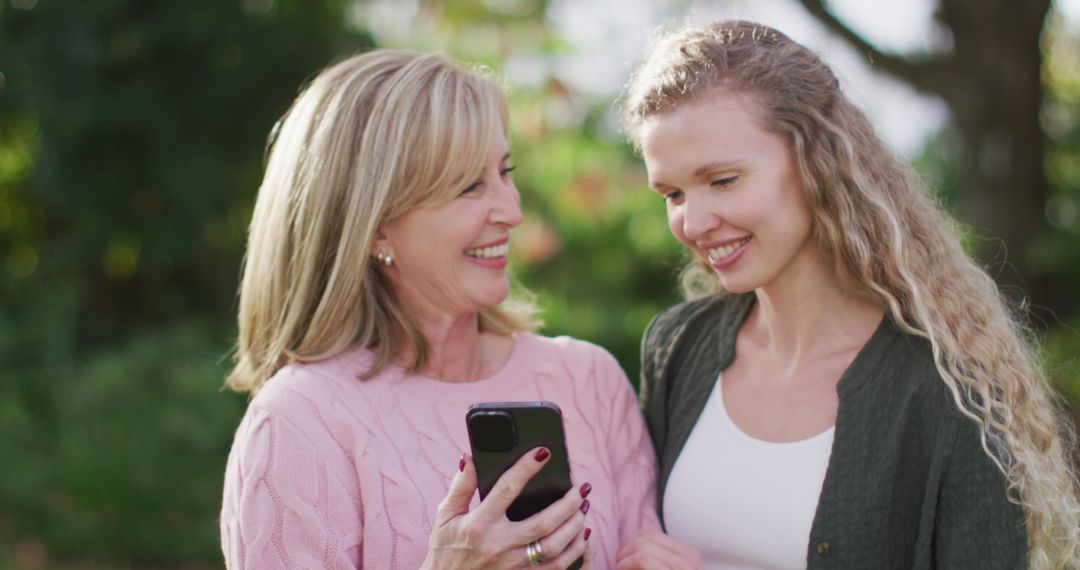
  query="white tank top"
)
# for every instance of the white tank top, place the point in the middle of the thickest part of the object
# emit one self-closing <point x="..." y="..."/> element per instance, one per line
<point x="744" y="503"/>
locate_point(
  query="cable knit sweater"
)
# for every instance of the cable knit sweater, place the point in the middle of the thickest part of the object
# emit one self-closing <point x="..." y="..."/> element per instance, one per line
<point x="327" y="471"/>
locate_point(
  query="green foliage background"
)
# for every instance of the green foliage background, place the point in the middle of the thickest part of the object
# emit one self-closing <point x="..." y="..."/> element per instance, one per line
<point x="131" y="140"/>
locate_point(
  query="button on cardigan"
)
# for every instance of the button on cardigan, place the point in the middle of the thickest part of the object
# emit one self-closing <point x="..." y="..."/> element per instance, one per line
<point x="908" y="484"/>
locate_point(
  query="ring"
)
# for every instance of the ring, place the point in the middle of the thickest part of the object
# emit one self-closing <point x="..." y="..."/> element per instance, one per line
<point x="534" y="553"/>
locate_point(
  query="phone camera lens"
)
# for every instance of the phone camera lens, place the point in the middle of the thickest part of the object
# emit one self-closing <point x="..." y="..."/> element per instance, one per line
<point x="493" y="432"/>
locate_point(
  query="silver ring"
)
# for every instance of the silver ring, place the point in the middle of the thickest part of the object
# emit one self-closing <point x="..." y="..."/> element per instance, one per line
<point x="534" y="553"/>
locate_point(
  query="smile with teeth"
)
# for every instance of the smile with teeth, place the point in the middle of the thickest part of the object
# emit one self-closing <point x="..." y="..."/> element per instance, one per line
<point x="492" y="252"/>
<point x="723" y="251"/>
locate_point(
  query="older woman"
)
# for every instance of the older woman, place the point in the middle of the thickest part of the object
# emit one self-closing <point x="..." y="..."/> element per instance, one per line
<point x="846" y="388"/>
<point x="374" y="311"/>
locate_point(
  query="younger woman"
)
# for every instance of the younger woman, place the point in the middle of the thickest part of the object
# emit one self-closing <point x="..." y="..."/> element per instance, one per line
<point x="847" y="388"/>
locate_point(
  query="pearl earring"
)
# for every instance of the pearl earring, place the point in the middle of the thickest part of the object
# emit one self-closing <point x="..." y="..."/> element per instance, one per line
<point x="384" y="259"/>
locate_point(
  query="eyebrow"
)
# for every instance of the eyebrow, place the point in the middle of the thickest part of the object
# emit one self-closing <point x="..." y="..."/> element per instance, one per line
<point x="701" y="171"/>
<point x="715" y="165"/>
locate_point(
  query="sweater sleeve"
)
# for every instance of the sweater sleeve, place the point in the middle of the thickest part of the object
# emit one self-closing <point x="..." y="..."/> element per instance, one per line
<point x="288" y="501"/>
<point x="977" y="526"/>
<point x="652" y="393"/>
<point x="633" y="460"/>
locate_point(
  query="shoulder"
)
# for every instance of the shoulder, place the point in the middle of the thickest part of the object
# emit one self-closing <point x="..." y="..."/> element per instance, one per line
<point x="586" y="367"/>
<point x="725" y="311"/>
<point x="573" y="353"/>
<point x="713" y="319"/>
<point x="570" y="347"/>
<point x="292" y="473"/>
<point x="909" y="360"/>
<point x="320" y="400"/>
<point x="898" y="377"/>
<point x="312" y="382"/>
<point x="669" y="322"/>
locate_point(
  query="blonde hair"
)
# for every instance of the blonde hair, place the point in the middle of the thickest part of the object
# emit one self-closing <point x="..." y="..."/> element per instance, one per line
<point x="892" y="244"/>
<point x="369" y="139"/>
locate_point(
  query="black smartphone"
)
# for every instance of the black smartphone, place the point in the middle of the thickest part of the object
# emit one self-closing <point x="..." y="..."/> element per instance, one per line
<point x="500" y="433"/>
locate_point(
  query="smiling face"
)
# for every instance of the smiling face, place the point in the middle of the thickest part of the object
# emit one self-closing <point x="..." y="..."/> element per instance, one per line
<point x="451" y="258"/>
<point x="733" y="194"/>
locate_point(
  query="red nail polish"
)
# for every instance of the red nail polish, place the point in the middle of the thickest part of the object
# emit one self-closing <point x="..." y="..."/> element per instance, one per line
<point x="542" y="454"/>
<point x="585" y="490"/>
<point x="588" y="531"/>
<point x="461" y="463"/>
<point x="585" y="507"/>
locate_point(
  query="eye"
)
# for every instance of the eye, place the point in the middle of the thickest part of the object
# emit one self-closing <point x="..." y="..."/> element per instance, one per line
<point x="723" y="182"/>
<point x="506" y="171"/>
<point x="470" y="188"/>
<point x="674" y="197"/>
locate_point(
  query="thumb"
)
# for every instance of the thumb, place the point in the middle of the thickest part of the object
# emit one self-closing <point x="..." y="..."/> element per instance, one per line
<point x="462" y="488"/>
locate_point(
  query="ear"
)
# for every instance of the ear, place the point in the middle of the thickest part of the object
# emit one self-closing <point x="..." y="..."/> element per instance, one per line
<point x="381" y="244"/>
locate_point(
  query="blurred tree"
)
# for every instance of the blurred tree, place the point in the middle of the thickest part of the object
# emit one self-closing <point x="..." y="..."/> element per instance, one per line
<point x="131" y="136"/>
<point x="991" y="81"/>
<point x="1059" y="249"/>
<point x="141" y="119"/>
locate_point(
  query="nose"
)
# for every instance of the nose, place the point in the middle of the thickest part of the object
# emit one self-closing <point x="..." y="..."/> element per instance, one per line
<point x="507" y="208"/>
<point x="698" y="219"/>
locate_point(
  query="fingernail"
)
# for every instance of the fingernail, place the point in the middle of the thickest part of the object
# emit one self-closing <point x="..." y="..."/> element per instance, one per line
<point x="541" y="454"/>
<point x="585" y="490"/>
<point x="585" y="507"/>
<point x="461" y="464"/>
<point x="588" y="531"/>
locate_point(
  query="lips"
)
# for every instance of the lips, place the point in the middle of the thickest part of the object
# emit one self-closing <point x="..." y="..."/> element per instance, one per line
<point x="720" y="252"/>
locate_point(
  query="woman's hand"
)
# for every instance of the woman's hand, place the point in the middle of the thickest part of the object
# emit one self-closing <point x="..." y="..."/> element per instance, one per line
<point x="485" y="538"/>
<point x="654" y="550"/>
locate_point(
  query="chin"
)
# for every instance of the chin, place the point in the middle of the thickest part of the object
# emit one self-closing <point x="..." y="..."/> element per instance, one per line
<point x="737" y="290"/>
<point x="492" y="298"/>
<point x="737" y="286"/>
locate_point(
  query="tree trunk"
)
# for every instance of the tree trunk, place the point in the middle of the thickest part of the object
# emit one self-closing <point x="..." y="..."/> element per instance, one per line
<point x="991" y="81"/>
<point x="995" y="99"/>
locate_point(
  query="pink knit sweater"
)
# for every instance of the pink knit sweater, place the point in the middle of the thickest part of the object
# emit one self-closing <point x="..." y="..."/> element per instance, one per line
<point x="327" y="471"/>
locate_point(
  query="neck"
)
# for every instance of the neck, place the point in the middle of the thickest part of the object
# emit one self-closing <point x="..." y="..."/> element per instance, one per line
<point x="454" y="348"/>
<point x="453" y="339"/>
<point x="810" y="315"/>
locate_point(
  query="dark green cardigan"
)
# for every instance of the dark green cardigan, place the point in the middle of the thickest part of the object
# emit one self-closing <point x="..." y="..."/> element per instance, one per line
<point x="908" y="484"/>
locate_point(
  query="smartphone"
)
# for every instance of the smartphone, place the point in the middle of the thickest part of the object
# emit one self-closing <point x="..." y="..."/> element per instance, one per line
<point x="500" y="433"/>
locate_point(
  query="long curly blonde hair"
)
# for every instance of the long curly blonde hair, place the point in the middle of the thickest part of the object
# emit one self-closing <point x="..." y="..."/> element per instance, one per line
<point x="371" y="138"/>
<point x="892" y="244"/>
